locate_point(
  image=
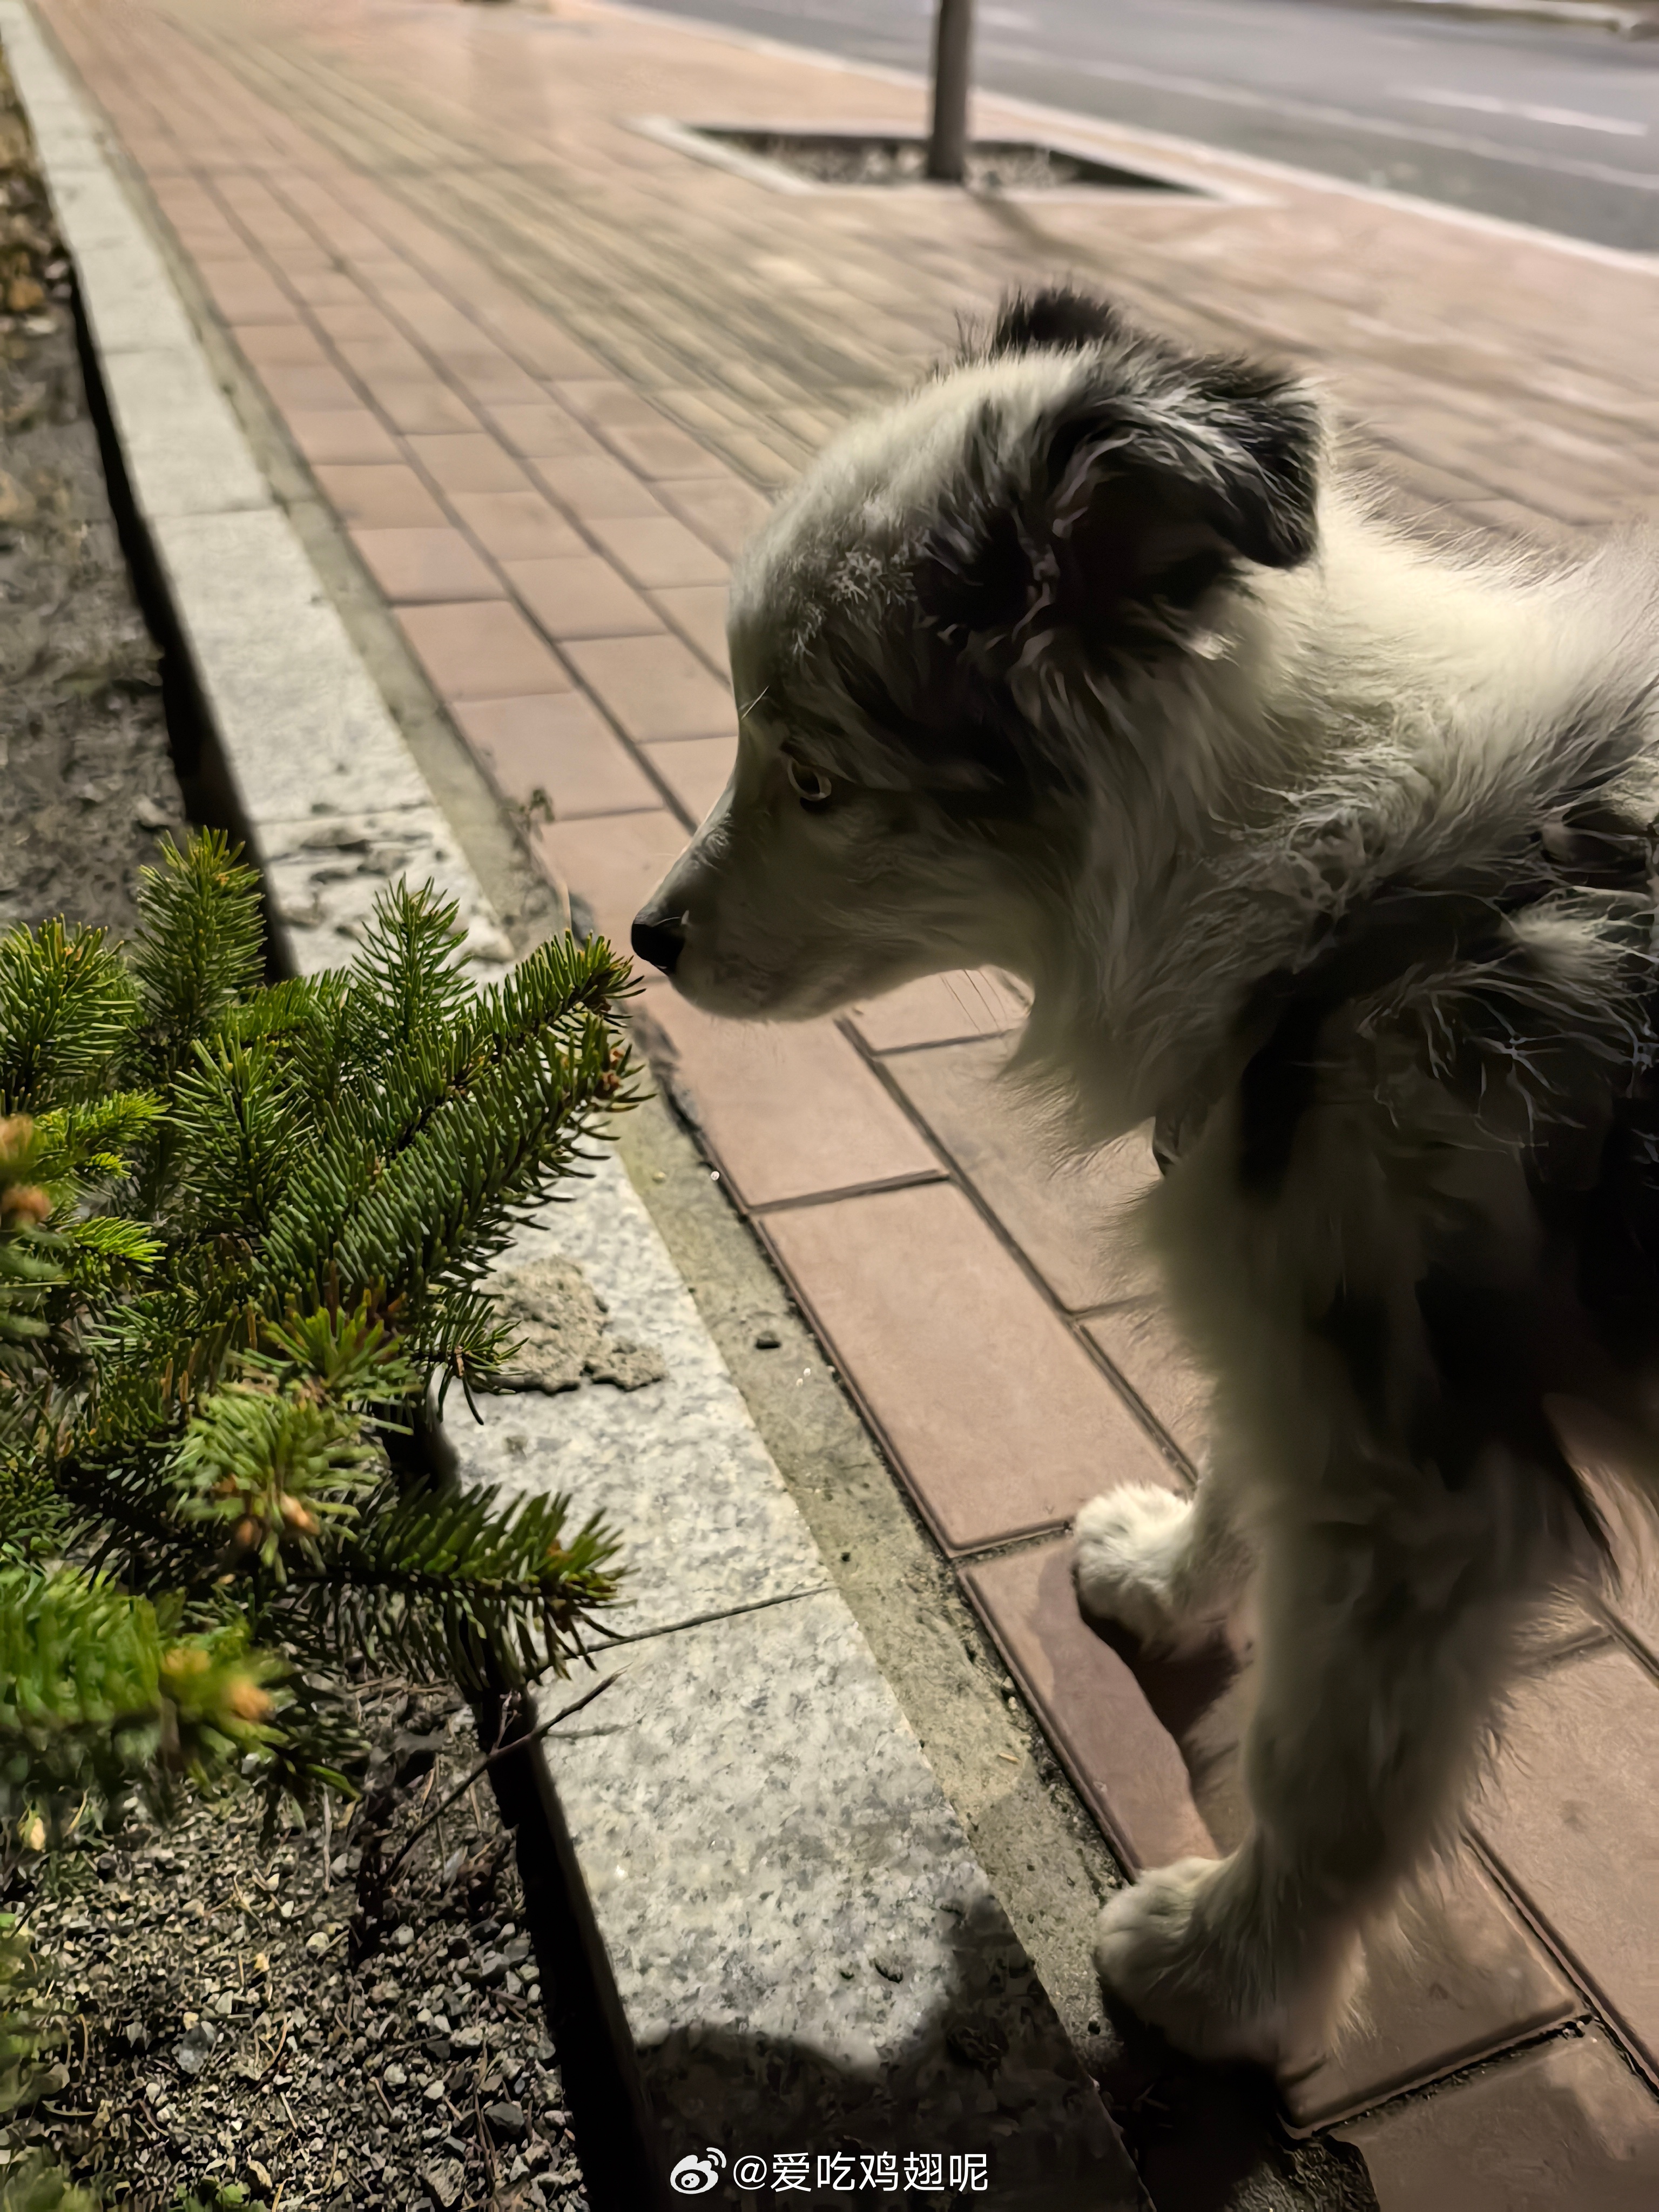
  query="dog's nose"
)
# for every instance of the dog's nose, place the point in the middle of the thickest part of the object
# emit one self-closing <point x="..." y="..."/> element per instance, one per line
<point x="658" y="939"/>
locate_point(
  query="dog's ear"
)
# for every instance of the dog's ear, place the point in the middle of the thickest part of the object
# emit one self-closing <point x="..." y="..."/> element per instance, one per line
<point x="1059" y="316"/>
<point x="1150" y="479"/>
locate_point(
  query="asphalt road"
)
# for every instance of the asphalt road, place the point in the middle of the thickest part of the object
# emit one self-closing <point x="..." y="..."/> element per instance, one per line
<point x="1541" y="122"/>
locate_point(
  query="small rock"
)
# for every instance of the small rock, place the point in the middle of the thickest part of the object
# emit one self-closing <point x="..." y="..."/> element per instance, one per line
<point x="506" y="2121"/>
<point x="317" y="1944"/>
<point x="403" y="1936"/>
<point x="513" y="1985"/>
<point x="467" y="2039"/>
<point x="109" y="1866"/>
<point x="433" y="2092"/>
<point x="766" y="1339"/>
<point x="224" y="2004"/>
<point x="260" y="2175"/>
<point x="148" y="814"/>
<point x="491" y="1970"/>
<point x="190" y="2052"/>
<point x="445" y="2179"/>
<point x="394" y="2076"/>
<point x="436" y="2048"/>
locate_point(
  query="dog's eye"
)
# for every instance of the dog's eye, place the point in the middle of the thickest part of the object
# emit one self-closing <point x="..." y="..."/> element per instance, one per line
<point x="810" y="785"/>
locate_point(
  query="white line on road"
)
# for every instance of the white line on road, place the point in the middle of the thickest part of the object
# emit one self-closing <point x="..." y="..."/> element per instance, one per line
<point x="1487" y="103"/>
<point x="1237" y="95"/>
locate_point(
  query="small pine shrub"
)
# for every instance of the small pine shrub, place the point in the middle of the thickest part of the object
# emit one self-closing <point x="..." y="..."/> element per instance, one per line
<point x="244" y="1232"/>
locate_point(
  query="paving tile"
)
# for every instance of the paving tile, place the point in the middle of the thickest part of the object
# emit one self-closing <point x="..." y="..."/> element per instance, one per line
<point x="490" y="377"/>
<point x="1459" y="1978"/>
<point x="1001" y="1422"/>
<point x="468" y="461"/>
<point x="655" y="687"/>
<point x="387" y="495"/>
<point x="350" y="433"/>
<point x="724" y="511"/>
<point x="644" y="437"/>
<point x="1123" y="1760"/>
<point x="580" y="595"/>
<point x="418" y="406"/>
<point x="534" y="340"/>
<point x="941" y="1010"/>
<point x="656" y="551"/>
<point x="698" y="612"/>
<point x="1572" y="1819"/>
<point x="787" y="1109"/>
<point x="385" y="356"/>
<point x="1565" y="2128"/>
<point x="544" y="432"/>
<point x="480" y="649"/>
<point x="517" y="526"/>
<point x="612" y="862"/>
<point x="1140" y="1341"/>
<point x="306" y="387"/>
<point x="243" y="293"/>
<point x="425" y="564"/>
<point x="554" y="743"/>
<point x="1062" y="1214"/>
<point x="267" y="344"/>
<point x="696" y="769"/>
<point x="593" y="486"/>
<point x="355" y="316"/>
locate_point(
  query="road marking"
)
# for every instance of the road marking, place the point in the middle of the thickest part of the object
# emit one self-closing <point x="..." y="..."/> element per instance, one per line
<point x="1312" y="111"/>
<point x="1486" y="103"/>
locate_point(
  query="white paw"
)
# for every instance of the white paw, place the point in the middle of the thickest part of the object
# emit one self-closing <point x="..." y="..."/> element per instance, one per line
<point x="1184" y="1947"/>
<point x="1127" y="1547"/>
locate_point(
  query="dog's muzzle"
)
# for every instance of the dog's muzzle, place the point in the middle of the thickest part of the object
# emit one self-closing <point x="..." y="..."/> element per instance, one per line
<point x="658" y="940"/>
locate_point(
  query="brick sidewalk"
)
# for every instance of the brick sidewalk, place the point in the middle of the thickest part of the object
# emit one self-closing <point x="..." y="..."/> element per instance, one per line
<point x="546" y="370"/>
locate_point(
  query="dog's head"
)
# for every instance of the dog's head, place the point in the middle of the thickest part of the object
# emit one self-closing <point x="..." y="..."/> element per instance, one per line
<point x="947" y="646"/>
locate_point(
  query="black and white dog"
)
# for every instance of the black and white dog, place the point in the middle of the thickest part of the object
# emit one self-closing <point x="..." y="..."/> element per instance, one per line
<point x="1331" y="855"/>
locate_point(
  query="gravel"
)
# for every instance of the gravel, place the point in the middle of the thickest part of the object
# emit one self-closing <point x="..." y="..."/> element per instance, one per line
<point x="229" y="2027"/>
<point x="843" y="158"/>
<point x="84" y="759"/>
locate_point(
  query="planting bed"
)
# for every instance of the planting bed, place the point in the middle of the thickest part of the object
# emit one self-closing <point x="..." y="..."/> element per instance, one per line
<point x="239" y="2030"/>
<point x="87" y="777"/>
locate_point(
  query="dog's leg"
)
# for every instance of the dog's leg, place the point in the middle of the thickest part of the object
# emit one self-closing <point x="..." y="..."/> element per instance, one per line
<point x="1169" y="1569"/>
<point x="1377" y="1677"/>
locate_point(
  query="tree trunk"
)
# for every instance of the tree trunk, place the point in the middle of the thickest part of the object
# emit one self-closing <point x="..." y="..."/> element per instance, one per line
<point x="947" y="149"/>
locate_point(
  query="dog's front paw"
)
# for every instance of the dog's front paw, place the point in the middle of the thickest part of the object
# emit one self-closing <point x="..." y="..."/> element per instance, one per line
<point x="1154" y="1950"/>
<point x="1125" y="1549"/>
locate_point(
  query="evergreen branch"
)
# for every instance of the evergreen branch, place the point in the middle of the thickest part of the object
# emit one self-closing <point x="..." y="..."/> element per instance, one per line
<point x="200" y="947"/>
<point x="67" y="1011"/>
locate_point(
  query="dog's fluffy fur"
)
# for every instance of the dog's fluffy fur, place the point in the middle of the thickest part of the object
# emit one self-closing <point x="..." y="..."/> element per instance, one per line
<point x="1331" y="855"/>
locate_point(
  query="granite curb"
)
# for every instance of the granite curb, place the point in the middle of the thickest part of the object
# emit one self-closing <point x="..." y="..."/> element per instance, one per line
<point x="803" y="1947"/>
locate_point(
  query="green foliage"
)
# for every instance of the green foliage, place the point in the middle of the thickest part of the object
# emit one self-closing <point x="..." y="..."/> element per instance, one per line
<point x="29" y="2029"/>
<point x="244" y="1233"/>
<point x="33" y="2184"/>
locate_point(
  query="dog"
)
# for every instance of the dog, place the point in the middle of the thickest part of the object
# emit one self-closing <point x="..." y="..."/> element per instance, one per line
<point x="1330" y="852"/>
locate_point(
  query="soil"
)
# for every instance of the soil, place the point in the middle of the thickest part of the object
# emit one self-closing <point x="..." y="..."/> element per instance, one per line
<point x="238" y="2020"/>
<point x="88" y="776"/>
<point x="839" y="158"/>
<point x="242" y="2031"/>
